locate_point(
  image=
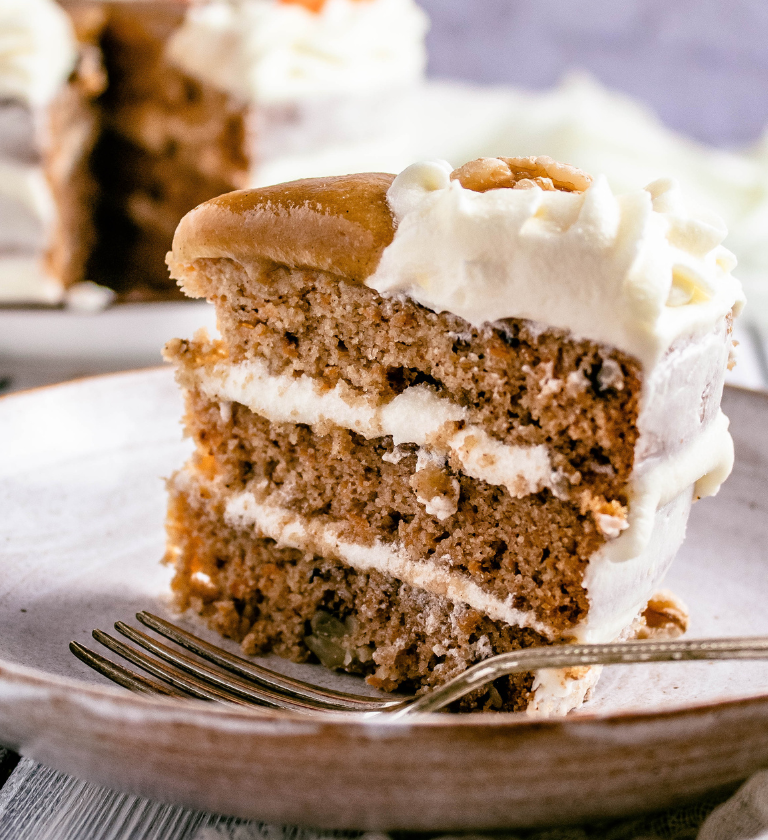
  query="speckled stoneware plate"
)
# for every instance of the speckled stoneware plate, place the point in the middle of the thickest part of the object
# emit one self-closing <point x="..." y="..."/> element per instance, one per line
<point x="82" y="504"/>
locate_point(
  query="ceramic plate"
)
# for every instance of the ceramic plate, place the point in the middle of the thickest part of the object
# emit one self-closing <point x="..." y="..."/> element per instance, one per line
<point x="130" y="333"/>
<point x="82" y="501"/>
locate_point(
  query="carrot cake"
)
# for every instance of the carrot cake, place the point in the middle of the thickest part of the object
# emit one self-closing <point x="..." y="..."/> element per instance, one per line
<point x="50" y="75"/>
<point x="451" y="414"/>
<point x="197" y="99"/>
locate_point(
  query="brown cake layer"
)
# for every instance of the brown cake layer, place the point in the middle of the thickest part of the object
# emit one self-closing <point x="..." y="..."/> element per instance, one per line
<point x="523" y="386"/>
<point x="536" y="547"/>
<point x="296" y="605"/>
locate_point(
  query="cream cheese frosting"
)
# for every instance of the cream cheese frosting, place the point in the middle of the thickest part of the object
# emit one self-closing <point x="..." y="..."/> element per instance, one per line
<point x="633" y="271"/>
<point x="604" y="131"/>
<point x="25" y="196"/>
<point x="267" y="51"/>
<point x="38" y="50"/>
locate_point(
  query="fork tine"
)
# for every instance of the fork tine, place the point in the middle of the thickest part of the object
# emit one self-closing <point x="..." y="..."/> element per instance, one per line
<point x="177" y="679"/>
<point x="259" y="674"/>
<point x="224" y="682"/>
<point x="120" y="675"/>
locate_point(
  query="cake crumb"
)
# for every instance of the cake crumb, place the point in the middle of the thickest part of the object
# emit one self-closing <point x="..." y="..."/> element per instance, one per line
<point x="436" y="489"/>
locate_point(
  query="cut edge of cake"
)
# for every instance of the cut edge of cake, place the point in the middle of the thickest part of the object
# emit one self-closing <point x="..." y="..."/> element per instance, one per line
<point x="392" y="406"/>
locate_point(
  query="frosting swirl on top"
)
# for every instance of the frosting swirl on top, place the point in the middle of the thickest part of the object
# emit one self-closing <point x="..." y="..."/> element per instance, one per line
<point x="265" y="51"/>
<point x="633" y="271"/>
<point x="38" y="50"/>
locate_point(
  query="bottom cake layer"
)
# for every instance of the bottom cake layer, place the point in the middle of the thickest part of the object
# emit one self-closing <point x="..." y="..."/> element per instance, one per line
<point x="302" y="606"/>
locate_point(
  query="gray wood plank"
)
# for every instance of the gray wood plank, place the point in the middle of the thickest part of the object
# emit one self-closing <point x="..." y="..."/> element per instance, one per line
<point x="38" y="803"/>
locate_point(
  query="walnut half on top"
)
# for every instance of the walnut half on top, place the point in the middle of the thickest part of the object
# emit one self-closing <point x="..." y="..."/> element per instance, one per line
<point x="521" y="173"/>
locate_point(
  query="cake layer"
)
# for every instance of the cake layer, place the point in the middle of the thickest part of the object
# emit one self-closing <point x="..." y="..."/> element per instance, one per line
<point x="529" y="553"/>
<point x="295" y="603"/>
<point x="522" y="384"/>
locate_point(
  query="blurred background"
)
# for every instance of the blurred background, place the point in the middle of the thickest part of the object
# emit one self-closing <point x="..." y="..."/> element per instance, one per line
<point x="638" y="90"/>
<point x="700" y="65"/>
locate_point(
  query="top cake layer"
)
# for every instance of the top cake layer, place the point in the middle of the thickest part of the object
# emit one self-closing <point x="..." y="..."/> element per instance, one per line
<point x="635" y="271"/>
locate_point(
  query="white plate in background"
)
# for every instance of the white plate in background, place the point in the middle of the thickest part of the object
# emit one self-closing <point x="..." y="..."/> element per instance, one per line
<point x="130" y="333"/>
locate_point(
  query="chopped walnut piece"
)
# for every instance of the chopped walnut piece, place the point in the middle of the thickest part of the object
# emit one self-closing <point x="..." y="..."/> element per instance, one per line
<point x="665" y="617"/>
<point x="486" y="174"/>
<point x="610" y="516"/>
<point x="437" y="490"/>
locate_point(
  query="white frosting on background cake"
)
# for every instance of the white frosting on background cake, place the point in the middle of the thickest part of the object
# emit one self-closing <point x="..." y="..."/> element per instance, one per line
<point x="634" y="271"/>
<point x="266" y="51"/>
<point x="38" y="50"/>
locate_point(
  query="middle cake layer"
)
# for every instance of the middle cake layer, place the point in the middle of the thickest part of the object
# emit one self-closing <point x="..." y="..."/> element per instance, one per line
<point x="403" y="505"/>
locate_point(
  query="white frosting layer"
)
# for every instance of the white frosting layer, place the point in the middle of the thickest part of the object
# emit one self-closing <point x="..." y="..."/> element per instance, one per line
<point x="633" y="271"/>
<point x="243" y="510"/>
<point x="27" y="214"/>
<point x="417" y="416"/>
<point x="618" y="591"/>
<point x="557" y="691"/>
<point x="267" y="51"/>
<point x="38" y="50"/>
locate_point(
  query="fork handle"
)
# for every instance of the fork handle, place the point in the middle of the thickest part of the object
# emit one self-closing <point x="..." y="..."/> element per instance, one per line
<point x="569" y="656"/>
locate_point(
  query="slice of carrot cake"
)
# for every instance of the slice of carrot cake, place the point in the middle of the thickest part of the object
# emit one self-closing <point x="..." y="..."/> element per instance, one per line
<point x="452" y="413"/>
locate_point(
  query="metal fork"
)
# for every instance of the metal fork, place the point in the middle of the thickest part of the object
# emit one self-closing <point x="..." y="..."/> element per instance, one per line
<point x="238" y="680"/>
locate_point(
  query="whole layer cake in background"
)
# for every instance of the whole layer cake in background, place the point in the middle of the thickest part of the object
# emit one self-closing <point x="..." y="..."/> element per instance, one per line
<point x="198" y="99"/>
<point x="451" y="414"/>
<point x="48" y="128"/>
